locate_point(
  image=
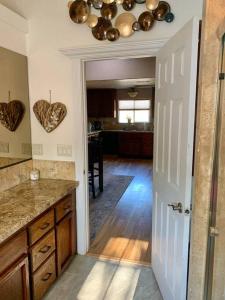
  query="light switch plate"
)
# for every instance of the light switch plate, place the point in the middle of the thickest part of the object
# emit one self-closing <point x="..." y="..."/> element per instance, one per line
<point x="64" y="150"/>
<point x="4" y="147"/>
<point x="37" y="149"/>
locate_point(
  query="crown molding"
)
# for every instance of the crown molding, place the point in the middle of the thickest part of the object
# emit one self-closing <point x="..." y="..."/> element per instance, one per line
<point x="13" y="19"/>
<point x="116" y="50"/>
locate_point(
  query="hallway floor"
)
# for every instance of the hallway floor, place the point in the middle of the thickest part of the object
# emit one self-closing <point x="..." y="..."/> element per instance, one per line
<point x="126" y="234"/>
<point x="88" y="278"/>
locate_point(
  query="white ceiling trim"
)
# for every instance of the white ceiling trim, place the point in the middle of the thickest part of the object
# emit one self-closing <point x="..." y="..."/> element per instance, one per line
<point x="116" y="50"/>
<point x="11" y="18"/>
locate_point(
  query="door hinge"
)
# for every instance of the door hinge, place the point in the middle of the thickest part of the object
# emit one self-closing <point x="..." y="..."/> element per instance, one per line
<point x="221" y="76"/>
<point x="213" y="231"/>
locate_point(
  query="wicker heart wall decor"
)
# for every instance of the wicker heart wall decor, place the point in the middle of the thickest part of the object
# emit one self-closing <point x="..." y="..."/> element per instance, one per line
<point x="11" y="114"/>
<point x="50" y="115"/>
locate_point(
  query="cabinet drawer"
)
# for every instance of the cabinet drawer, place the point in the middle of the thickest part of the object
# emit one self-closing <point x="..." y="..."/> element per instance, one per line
<point x="44" y="277"/>
<point x="13" y="250"/>
<point x="41" y="226"/>
<point x="64" y="207"/>
<point x="42" y="250"/>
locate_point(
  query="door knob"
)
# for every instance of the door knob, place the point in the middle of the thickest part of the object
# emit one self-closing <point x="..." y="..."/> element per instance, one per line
<point x="176" y="206"/>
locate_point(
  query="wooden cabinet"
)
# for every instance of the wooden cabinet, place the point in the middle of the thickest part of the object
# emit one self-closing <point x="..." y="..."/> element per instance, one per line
<point x="14" y="274"/>
<point x="47" y="252"/>
<point x="42" y="250"/>
<point x="110" y="142"/>
<point x="147" y="140"/>
<point x="53" y="251"/>
<point x="101" y="103"/>
<point x="41" y="226"/>
<point x="65" y="233"/>
<point x="14" y="283"/>
<point x="129" y="144"/>
<point x="64" y="207"/>
<point x="44" y="278"/>
<point x="136" y="144"/>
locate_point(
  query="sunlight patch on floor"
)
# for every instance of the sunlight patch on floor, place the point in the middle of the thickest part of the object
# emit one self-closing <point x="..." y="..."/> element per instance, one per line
<point x="121" y="285"/>
<point x="97" y="282"/>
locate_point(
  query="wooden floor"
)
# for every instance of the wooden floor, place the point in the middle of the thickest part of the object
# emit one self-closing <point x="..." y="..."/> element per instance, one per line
<point x="126" y="234"/>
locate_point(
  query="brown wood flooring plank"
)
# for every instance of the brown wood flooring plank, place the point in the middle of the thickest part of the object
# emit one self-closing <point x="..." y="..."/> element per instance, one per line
<point x="126" y="235"/>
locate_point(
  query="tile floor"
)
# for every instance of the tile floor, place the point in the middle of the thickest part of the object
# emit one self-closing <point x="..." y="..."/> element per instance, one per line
<point x="88" y="278"/>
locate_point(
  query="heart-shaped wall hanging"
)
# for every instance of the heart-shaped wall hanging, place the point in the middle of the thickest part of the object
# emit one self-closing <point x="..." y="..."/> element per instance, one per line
<point x="11" y="114"/>
<point x="49" y="115"/>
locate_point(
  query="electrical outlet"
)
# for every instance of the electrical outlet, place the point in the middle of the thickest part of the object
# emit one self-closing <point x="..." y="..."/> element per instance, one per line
<point x="37" y="149"/>
<point x="4" y="147"/>
<point x="26" y="149"/>
<point x="64" y="150"/>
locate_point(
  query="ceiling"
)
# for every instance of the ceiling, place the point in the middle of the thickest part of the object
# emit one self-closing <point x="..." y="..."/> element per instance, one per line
<point x="121" y="84"/>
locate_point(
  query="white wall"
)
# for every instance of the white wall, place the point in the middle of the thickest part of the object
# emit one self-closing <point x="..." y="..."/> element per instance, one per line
<point x="50" y="29"/>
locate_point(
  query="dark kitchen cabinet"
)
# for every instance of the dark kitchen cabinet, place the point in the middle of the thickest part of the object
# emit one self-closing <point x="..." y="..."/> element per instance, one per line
<point x="136" y="144"/>
<point x="110" y="142"/>
<point x="101" y="103"/>
<point x="129" y="144"/>
<point x="147" y="144"/>
<point x="132" y="144"/>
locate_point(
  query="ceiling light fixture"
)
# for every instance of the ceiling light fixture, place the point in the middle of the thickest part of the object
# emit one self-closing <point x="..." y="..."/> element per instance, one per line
<point x="132" y="93"/>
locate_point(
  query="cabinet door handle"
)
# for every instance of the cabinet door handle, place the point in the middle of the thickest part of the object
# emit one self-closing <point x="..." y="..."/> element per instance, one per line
<point x="45" y="249"/>
<point x="46" y="277"/>
<point x="44" y="226"/>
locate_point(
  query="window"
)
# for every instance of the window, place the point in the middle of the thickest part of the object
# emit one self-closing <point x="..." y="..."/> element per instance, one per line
<point x="137" y="111"/>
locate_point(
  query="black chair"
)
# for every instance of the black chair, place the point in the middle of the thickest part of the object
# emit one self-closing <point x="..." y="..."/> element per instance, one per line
<point x="95" y="164"/>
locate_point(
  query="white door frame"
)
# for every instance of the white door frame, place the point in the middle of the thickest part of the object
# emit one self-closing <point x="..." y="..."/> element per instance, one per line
<point x="79" y="56"/>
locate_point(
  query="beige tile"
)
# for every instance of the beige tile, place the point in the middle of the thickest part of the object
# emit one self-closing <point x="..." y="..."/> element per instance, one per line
<point x="206" y="117"/>
<point x="15" y="175"/>
<point x="55" y="169"/>
<point x="88" y="278"/>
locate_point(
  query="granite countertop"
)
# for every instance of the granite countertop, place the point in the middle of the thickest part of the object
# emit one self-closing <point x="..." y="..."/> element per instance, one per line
<point x="26" y="201"/>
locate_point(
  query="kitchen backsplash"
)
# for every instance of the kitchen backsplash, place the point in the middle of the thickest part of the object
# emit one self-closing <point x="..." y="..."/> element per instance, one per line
<point x="112" y="124"/>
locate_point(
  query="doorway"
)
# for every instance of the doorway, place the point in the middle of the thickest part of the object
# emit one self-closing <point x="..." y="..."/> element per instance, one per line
<point x="120" y="116"/>
<point x="182" y="62"/>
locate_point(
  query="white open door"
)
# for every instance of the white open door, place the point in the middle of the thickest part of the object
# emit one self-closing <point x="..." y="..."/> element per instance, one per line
<point x="173" y="154"/>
